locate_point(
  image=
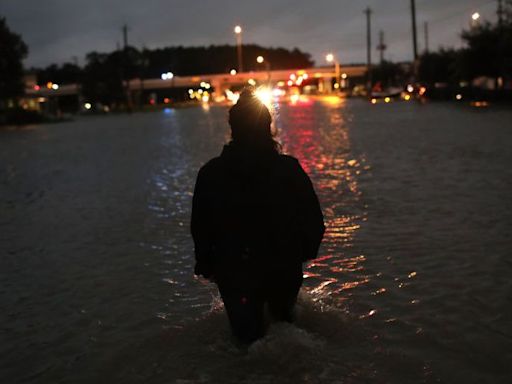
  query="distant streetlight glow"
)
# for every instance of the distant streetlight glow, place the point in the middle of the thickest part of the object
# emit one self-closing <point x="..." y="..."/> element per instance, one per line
<point x="260" y="59"/>
<point x="55" y="86"/>
<point x="232" y="72"/>
<point x="167" y="76"/>
<point x="264" y="95"/>
<point x="87" y="106"/>
<point x="330" y="58"/>
<point x="238" y="35"/>
<point x="475" y="16"/>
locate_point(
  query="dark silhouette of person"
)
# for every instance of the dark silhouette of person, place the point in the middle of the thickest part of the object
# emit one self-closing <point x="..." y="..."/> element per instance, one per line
<point x="255" y="220"/>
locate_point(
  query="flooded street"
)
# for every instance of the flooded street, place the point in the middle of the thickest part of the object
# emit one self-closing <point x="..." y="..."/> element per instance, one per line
<point x="412" y="283"/>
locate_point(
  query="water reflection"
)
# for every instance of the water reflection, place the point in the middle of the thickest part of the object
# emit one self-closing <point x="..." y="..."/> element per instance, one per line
<point x="317" y="133"/>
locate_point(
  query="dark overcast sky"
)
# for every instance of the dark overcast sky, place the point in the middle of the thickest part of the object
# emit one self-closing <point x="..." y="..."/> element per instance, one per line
<point x="57" y="30"/>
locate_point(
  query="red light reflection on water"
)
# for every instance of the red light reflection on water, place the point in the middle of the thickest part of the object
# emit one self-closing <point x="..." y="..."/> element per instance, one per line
<point x="317" y="134"/>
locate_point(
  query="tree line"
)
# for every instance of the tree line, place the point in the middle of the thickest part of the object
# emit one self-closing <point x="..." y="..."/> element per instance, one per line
<point x="102" y="76"/>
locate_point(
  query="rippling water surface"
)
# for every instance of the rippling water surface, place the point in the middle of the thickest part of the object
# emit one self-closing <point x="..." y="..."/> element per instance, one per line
<point x="412" y="284"/>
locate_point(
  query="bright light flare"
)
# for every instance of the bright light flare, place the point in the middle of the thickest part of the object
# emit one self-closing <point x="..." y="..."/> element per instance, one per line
<point x="252" y="82"/>
<point x="264" y="95"/>
<point x="475" y="16"/>
<point x="260" y="59"/>
<point x="238" y="29"/>
<point x="329" y="57"/>
<point x="459" y="96"/>
<point x="387" y="99"/>
<point x="344" y="76"/>
<point x="167" y="76"/>
<point x="55" y="86"/>
<point x="232" y="72"/>
<point x="87" y="106"/>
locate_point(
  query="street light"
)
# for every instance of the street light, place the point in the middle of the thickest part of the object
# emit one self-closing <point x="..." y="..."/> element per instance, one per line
<point x="261" y="60"/>
<point x="330" y="58"/>
<point x="238" y="34"/>
<point x="475" y="18"/>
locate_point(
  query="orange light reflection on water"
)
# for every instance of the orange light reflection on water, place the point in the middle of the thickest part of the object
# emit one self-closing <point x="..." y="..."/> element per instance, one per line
<point x="317" y="134"/>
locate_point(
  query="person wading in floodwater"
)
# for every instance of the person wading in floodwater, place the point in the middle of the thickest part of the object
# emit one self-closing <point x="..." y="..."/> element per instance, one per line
<point x="255" y="220"/>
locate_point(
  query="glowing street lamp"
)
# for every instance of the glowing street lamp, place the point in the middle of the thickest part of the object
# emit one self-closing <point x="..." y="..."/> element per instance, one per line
<point x="238" y="34"/>
<point x="261" y="60"/>
<point x="232" y="72"/>
<point x="475" y="18"/>
<point x="331" y="58"/>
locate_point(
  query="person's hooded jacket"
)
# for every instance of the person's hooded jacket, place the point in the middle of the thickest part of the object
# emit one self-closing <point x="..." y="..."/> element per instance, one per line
<point x="255" y="218"/>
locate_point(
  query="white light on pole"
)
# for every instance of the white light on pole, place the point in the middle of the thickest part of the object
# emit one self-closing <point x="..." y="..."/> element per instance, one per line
<point x="475" y="20"/>
<point x="238" y="35"/>
<point x="330" y="58"/>
<point x="261" y="60"/>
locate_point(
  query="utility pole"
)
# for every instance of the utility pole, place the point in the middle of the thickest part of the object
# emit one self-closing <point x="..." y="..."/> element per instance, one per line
<point x="125" y="36"/>
<point x="381" y="47"/>
<point x="426" y="36"/>
<point x="500" y="13"/>
<point x="126" y="82"/>
<point x="368" y="13"/>
<point x="414" y="37"/>
<point x="78" y="79"/>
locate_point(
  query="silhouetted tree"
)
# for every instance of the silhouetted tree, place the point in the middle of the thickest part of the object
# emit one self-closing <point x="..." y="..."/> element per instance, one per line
<point x="12" y="52"/>
<point x="67" y="73"/>
<point x="439" y="67"/>
<point x="489" y="51"/>
<point x="104" y="73"/>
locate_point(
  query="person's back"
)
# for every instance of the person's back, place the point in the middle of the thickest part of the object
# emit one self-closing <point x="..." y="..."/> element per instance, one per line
<point x="255" y="219"/>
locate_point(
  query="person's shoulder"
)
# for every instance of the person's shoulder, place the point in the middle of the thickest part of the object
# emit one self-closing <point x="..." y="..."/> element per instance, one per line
<point x="211" y="166"/>
<point x="289" y="161"/>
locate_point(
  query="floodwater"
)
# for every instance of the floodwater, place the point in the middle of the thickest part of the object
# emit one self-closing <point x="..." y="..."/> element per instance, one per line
<point x="412" y="284"/>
